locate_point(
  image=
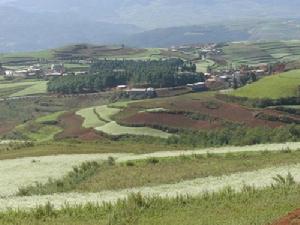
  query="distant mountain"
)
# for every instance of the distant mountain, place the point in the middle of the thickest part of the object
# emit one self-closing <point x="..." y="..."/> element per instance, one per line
<point x="253" y="30"/>
<point x="35" y="24"/>
<point x="26" y="31"/>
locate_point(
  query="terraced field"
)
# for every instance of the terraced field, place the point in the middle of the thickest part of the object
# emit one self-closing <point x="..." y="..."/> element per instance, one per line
<point x="22" y="88"/>
<point x="262" y="52"/>
<point x="201" y="111"/>
<point x="39" y="169"/>
<point x="273" y="87"/>
<point x="100" y="118"/>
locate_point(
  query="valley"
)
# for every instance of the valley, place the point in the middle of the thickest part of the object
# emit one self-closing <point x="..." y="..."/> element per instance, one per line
<point x="122" y="135"/>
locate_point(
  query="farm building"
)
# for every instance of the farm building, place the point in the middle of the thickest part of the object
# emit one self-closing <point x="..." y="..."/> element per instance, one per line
<point x="80" y="73"/>
<point x="53" y="74"/>
<point x="57" y="68"/>
<point x="199" y="86"/>
<point x="121" y="87"/>
<point x="136" y="93"/>
<point x="20" y="73"/>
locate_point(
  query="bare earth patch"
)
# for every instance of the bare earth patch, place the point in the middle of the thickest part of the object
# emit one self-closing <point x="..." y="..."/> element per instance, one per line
<point x="72" y="125"/>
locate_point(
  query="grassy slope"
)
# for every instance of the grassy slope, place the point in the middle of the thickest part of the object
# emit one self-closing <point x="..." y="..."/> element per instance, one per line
<point x="203" y="64"/>
<point x="154" y="172"/>
<point x="22" y="88"/>
<point x="42" y="129"/>
<point x="114" y="129"/>
<point x="226" y="208"/>
<point x="38" y="88"/>
<point x="262" y="52"/>
<point x="276" y="86"/>
<point x="102" y="121"/>
<point x="90" y="118"/>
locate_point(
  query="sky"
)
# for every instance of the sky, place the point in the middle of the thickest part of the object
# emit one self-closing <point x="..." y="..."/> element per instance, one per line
<point x="162" y="13"/>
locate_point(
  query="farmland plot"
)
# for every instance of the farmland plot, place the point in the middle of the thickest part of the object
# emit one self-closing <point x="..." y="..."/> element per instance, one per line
<point x="26" y="171"/>
<point x="17" y="173"/>
<point x="259" y="179"/>
<point x="100" y="118"/>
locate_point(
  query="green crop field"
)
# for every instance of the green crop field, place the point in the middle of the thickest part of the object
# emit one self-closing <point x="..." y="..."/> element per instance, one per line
<point x="39" y="87"/>
<point x="203" y="65"/>
<point x="50" y="117"/>
<point x="261" y="52"/>
<point x="100" y="118"/>
<point x="22" y="88"/>
<point x="105" y="112"/>
<point x="90" y="118"/>
<point x="115" y="129"/>
<point x="276" y="86"/>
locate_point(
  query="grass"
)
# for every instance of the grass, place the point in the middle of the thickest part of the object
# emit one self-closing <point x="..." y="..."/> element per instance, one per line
<point x="6" y="92"/>
<point x="261" y="52"/>
<point x="75" y="147"/>
<point x="38" y="132"/>
<point x="100" y="118"/>
<point x="227" y="207"/>
<point x="42" y="129"/>
<point x="76" y="66"/>
<point x="154" y="171"/>
<point x="273" y="87"/>
<point x="115" y="129"/>
<point x="22" y="88"/>
<point x="37" y="88"/>
<point x="53" y="117"/>
<point x="91" y="119"/>
<point x="105" y="112"/>
<point x="203" y="65"/>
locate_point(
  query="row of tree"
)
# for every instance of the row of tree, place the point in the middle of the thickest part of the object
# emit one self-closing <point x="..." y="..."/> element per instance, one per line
<point x="111" y="73"/>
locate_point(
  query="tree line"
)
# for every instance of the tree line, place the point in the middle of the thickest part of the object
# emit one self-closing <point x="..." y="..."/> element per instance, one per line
<point x="111" y="73"/>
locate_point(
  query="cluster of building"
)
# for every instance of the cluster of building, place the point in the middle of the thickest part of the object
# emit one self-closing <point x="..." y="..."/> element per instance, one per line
<point x="55" y="70"/>
<point x="228" y="78"/>
<point x="31" y="71"/>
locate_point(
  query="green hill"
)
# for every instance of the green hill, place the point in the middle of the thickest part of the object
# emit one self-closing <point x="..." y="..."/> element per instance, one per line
<point x="277" y="86"/>
<point x="261" y="52"/>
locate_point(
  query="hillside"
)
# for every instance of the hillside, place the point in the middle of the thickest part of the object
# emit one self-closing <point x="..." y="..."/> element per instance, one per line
<point x="274" y="87"/>
<point x="261" y="52"/>
<point x="228" y="31"/>
<point x="29" y="31"/>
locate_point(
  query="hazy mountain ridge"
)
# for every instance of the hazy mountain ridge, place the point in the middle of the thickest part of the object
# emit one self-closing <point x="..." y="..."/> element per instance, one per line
<point x="253" y="30"/>
<point x="34" y="24"/>
<point x="23" y="31"/>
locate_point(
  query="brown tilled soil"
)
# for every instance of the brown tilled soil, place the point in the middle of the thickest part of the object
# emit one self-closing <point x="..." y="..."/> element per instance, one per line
<point x="71" y="124"/>
<point x="6" y="128"/>
<point x="169" y="120"/>
<point x="218" y="110"/>
<point x="292" y="218"/>
<point x="227" y="111"/>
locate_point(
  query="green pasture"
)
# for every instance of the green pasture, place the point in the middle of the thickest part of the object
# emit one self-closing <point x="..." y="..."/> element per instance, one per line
<point x="276" y="86"/>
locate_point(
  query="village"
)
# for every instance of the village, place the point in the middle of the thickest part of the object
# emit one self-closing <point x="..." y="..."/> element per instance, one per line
<point x="216" y="77"/>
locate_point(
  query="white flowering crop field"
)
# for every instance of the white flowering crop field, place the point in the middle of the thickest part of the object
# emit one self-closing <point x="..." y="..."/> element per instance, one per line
<point x="22" y="172"/>
<point x="259" y="179"/>
<point x="16" y="173"/>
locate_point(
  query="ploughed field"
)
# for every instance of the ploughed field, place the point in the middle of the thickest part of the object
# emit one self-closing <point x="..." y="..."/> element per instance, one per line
<point x="207" y="112"/>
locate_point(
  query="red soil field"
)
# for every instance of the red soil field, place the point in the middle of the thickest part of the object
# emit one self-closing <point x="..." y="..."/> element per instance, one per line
<point x="71" y="124"/>
<point x="215" y="109"/>
<point x="6" y="127"/>
<point x="292" y="218"/>
<point x="226" y="111"/>
<point x="169" y="120"/>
